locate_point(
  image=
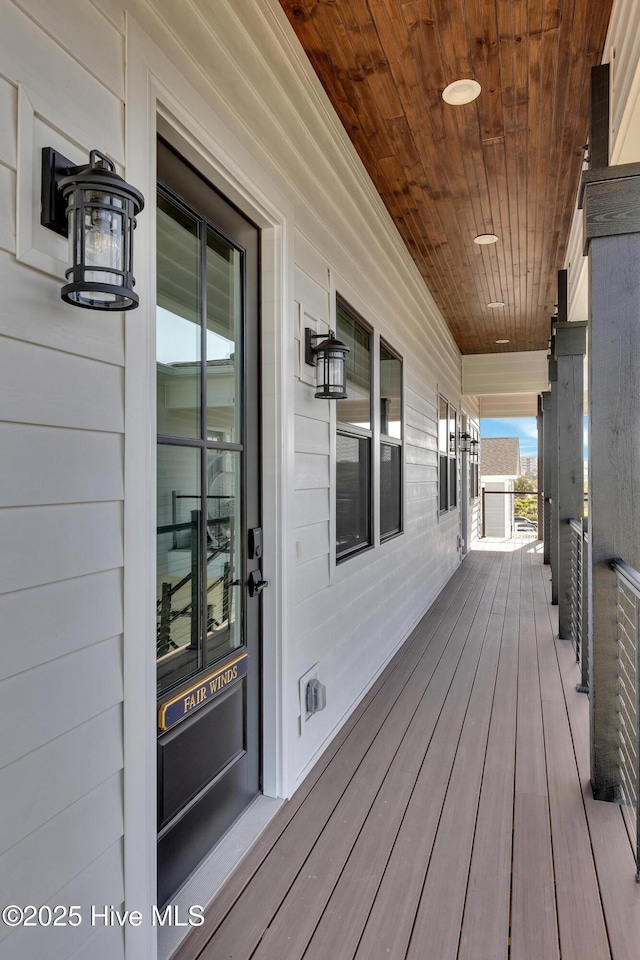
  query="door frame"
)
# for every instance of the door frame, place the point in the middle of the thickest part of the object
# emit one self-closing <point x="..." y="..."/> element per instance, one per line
<point x="156" y="95"/>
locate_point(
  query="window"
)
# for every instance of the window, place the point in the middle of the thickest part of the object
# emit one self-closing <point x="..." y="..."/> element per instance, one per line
<point x="354" y="528"/>
<point x="390" y="443"/>
<point x="474" y="484"/>
<point x="447" y="456"/>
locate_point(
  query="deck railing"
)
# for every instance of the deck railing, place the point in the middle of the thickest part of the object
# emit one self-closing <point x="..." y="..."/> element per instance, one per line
<point x="579" y="605"/>
<point x="628" y="612"/>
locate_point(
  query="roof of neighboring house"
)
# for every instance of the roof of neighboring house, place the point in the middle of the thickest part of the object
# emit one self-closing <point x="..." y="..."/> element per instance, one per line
<point x="500" y="457"/>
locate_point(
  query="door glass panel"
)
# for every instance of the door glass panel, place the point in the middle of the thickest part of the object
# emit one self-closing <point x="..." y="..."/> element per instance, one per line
<point x="224" y="556"/>
<point x="224" y="340"/>
<point x="178" y="326"/>
<point x="178" y="563"/>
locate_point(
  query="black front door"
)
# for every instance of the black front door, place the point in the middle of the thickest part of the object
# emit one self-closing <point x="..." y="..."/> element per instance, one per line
<point x="208" y="541"/>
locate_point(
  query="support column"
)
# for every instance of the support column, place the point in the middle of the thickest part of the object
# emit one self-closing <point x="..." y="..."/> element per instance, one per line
<point x="547" y="434"/>
<point x="540" y="477"/>
<point x="551" y="470"/>
<point x="570" y="346"/>
<point x="611" y="201"/>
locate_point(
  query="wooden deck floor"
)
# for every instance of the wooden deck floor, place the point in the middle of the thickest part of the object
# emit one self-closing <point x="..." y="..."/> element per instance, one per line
<point x="452" y="817"/>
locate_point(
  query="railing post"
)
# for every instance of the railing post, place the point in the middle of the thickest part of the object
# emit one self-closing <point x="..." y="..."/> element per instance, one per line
<point x="548" y="432"/>
<point x="569" y="349"/>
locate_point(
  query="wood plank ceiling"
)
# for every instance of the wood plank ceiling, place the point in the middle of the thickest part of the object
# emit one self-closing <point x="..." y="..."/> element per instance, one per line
<point x="508" y="163"/>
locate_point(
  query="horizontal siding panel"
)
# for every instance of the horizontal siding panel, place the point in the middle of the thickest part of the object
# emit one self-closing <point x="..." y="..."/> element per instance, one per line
<point x="46" y="544"/>
<point x="46" y="465"/>
<point x="310" y="578"/>
<point x="8" y="123"/>
<point x="314" y="299"/>
<point x="421" y="491"/>
<point x="42" y="704"/>
<point x="306" y="404"/>
<point x="421" y="396"/>
<point x="51" y="856"/>
<point x="420" y="455"/>
<point x="59" y="618"/>
<point x="66" y="85"/>
<point x="311" y="506"/>
<point x="312" y="471"/>
<point x="417" y="436"/>
<point x="420" y="472"/>
<point x="7" y="211"/>
<point x="113" y="10"/>
<point x="310" y="261"/>
<point x="83" y="32"/>
<point x="106" y="943"/>
<point x="99" y="883"/>
<point x="509" y="405"/>
<point x="312" y="542"/>
<point x="311" y="436"/>
<point x="505" y="373"/>
<point x="72" y="391"/>
<point x="33" y="311"/>
<point x="53" y="777"/>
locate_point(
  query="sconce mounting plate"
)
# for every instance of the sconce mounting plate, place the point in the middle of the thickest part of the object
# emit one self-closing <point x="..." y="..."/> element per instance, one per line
<point x="54" y="168"/>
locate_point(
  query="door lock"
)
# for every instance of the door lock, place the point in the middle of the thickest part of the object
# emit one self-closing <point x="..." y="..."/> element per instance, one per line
<point x="255" y="583"/>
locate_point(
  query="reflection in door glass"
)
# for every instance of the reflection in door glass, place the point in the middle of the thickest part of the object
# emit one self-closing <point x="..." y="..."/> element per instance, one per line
<point x="224" y="557"/>
<point x="178" y="321"/>
<point x="224" y="339"/>
<point x="179" y="563"/>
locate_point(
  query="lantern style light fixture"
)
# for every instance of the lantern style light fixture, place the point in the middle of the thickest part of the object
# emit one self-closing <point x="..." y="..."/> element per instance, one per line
<point x="96" y="209"/>
<point x="465" y="442"/>
<point x="330" y="359"/>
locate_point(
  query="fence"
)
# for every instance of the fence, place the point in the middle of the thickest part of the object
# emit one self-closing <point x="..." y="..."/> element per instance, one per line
<point x="579" y="599"/>
<point x="628" y="599"/>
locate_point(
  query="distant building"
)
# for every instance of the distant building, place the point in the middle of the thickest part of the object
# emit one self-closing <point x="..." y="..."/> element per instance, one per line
<point x="529" y="466"/>
<point x="500" y="466"/>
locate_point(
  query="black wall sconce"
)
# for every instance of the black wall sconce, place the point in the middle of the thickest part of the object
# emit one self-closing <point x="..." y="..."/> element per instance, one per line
<point x="96" y="209"/>
<point x="330" y="358"/>
<point x="465" y="442"/>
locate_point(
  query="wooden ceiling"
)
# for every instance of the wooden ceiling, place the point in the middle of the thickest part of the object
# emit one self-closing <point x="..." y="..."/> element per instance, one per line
<point x="508" y="163"/>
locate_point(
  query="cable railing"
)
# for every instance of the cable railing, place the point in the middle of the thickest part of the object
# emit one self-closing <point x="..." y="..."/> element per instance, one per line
<point x="627" y="708"/>
<point x="579" y="605"/>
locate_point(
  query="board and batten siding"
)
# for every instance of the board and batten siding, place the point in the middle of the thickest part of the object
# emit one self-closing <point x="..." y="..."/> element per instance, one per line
<point x="61" y="492"/>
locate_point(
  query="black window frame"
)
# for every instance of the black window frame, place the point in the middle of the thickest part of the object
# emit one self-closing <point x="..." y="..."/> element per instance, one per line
<point x="352" y="431"/>
<point x="448" y="457"/>
<point x="386" y="440"/>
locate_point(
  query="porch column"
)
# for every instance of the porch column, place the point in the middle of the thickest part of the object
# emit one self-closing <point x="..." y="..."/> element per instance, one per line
<point x="551" y="473"/>
<point x="540" y="478"/>
<point x="548" y="432"/>
<point x="570" y="345"/>
<point x="611" y="202"/>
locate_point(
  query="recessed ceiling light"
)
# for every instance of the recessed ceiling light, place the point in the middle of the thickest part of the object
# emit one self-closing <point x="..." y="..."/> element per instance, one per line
<point x="496" y="303"/>
<point x="485" y="238"/>
<point x="502" y="341"/>
<point x="461" y="91"/>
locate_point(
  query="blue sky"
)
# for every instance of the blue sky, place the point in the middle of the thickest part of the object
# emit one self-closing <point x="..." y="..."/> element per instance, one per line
<point x="522" y="427"/>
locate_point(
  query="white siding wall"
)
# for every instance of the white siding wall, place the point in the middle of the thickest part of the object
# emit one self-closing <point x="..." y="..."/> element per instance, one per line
<point x="61" y="489"/>
<point x="61" y="403"/>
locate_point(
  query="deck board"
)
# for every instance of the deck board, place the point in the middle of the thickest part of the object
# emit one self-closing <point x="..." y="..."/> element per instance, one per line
<point x="452" y="815"/>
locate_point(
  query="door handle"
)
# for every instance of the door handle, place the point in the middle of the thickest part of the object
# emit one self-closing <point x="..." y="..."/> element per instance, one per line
<point x="255" y="583"/>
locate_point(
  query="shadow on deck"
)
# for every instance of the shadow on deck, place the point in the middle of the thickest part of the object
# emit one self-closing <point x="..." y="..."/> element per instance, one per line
<point x="452" y="816"/>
